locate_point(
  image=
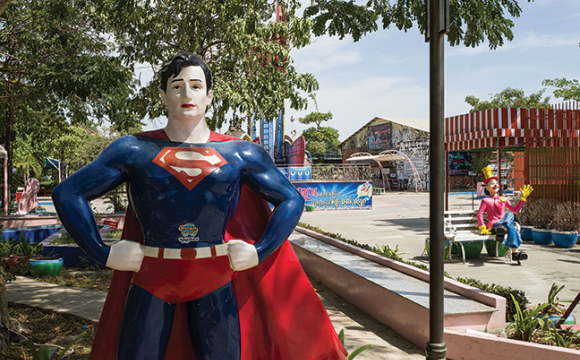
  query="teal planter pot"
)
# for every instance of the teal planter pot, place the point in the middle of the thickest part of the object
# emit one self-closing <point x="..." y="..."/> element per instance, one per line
<point x="542" y="236"/>
<point x="490" y="245"/>
<point x="564" y="239"/>
<point x="446" y="247"/>
<point x="526" y="233"/>
<point x="555" y="318"/>
<point x="45" y="267"/>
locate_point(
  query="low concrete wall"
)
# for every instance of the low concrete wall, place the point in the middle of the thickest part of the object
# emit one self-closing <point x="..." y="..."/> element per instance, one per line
<point x="464" y="346"/>
<point x="497" y="320"/>
<point x="412" y="321"/>
<point x="13" y="221"/>
<point x="405" y="317"/>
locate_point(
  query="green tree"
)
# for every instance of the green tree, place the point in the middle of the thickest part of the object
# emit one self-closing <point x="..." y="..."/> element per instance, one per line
<point x="315" y="117"/>
<point x="91" y="147"/>
<point x="510" y="98"/>
<point x="472" y="21"/>
<point x="247" y="52"/>
<point x="26" y="161"/>
<point x="320" y="141"/>
<point x="57" y="67"/>
<point x="567" y="89"/>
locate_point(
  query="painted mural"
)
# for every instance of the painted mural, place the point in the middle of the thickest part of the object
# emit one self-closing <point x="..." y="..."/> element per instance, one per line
<point x="459" y="163"/>
<point x="381" y="135"/>
<point x="418" y="153"/>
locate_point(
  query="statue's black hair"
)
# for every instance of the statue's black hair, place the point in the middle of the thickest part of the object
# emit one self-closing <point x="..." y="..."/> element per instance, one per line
<point x="174" y="65"/>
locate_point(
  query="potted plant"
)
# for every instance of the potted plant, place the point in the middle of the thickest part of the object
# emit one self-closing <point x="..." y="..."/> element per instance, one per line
<point x="525" y="219"/>
<point x="22" y="251"/>
<point x="566" y="220"/>
<point x="554" y="311"/>
<point x="543" y="221"/>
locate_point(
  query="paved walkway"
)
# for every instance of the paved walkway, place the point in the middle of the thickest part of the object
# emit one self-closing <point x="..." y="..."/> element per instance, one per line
<point x="360" y="329"/>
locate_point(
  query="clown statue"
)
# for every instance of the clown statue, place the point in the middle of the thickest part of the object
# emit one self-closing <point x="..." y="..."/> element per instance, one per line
<point x="204" y="270"/>
<point x="498" y="221"/>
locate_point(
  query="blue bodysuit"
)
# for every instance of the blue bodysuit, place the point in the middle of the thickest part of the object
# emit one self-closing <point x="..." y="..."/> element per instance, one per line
<point x="183" y="196"/>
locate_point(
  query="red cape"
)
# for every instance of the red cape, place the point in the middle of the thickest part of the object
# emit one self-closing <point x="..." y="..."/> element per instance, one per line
<point x="281" y="316"/>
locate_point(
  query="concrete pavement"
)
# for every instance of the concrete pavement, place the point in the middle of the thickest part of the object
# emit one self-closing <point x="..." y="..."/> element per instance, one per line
<point x="402" y="219"/>
<point x="360" y="329"/>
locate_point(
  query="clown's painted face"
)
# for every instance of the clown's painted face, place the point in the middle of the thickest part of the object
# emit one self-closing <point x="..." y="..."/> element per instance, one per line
<point x="492" y="187"/>
<point x="187" y="93"/>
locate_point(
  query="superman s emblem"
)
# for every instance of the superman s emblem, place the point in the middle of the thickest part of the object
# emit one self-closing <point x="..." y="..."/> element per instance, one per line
<point x="189" y="165"/>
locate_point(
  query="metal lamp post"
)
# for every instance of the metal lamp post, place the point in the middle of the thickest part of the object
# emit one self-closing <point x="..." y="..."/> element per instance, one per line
<point x="437" y="25"/>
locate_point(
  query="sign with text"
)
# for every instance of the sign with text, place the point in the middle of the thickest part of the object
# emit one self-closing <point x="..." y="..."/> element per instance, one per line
<point x="355" y="195"/>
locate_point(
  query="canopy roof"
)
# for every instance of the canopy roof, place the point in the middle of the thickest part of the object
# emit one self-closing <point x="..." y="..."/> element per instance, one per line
<point x="386" y="157"/>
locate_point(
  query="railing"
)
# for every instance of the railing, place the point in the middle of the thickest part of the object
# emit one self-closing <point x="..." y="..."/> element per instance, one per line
<point x="342" y="172"/>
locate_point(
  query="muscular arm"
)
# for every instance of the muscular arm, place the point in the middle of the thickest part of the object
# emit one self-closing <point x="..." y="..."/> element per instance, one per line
<point x="71" y="198"/>
<point x="263" y="177"/>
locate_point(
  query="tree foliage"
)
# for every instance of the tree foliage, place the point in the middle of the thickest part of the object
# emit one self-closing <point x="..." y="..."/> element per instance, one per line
<point x="315" y="117"/>
<point x="320" y="141"/>
<point x="57" y="67"/>
<point x="472" y="21"/>
<point x="510" y="98"/>
<point x="246" y="50"/>
<point x="567" y="89"/>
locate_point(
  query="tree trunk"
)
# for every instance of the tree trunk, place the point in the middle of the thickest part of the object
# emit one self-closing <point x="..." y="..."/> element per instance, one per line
<point x="9" y="151"/>
<point x="5" y="335"/>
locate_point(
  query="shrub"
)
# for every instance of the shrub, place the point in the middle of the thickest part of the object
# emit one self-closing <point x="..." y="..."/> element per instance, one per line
<point x="507" y="292"/>
<point x="567" y="216"/>
<point x="542" y="213"/>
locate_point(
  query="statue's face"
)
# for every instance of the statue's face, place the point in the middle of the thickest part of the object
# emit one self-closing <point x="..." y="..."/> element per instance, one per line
<point x="492" y="187"/>
<point x="187" y="93"/>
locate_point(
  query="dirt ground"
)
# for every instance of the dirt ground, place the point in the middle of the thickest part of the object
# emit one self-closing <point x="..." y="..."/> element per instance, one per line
<point x="49" y="327"/>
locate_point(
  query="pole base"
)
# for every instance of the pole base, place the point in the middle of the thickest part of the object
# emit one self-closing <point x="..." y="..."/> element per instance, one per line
<point x="436" y="351"/>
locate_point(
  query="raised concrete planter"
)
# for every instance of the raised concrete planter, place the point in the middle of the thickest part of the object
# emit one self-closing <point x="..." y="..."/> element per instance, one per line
<point x="398" y="294"/>
<point x="464" y="346"/>
<point x="12" y="221"/>
<point x="412" y="320"/>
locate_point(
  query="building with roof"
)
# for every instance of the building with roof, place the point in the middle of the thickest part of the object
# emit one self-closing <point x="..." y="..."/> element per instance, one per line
<point x="410" y="136"/>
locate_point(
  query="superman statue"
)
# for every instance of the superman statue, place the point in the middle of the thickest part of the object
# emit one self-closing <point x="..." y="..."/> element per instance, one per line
<point x="498" y="221"/>
<point x="203" y="270"/>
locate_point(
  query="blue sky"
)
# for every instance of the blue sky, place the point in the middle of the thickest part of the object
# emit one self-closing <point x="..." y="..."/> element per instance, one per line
<point x="386" y="74"/>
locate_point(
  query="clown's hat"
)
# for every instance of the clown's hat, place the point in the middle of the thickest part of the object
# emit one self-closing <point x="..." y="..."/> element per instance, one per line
<point x="488" y="175"/>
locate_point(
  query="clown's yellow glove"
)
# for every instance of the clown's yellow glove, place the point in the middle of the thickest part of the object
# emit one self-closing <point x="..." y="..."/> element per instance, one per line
<point x="484" y="230"/>
<point x="525" y="192"/>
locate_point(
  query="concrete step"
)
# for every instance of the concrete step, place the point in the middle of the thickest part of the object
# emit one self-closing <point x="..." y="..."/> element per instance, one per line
<point x="393" y="297"/>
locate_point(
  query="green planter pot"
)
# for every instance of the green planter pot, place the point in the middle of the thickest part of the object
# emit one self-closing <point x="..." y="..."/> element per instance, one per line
<point x="44" y="267"/>
<point x="472" y="249"/>
<point x="490" y="248"/>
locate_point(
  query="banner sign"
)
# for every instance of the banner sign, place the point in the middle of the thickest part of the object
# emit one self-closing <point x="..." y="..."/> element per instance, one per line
<point x="459" y="163"/>
<point x="268" y="137"/>
<point x="380" y="136"/>
<point x="355" y="195"/>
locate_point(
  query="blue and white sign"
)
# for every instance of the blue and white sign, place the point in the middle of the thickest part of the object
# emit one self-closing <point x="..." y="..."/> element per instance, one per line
<point x="355" y="195"/>
<point x="299" y="173"/>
